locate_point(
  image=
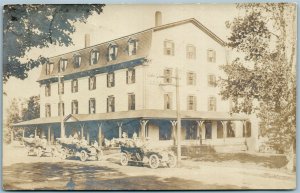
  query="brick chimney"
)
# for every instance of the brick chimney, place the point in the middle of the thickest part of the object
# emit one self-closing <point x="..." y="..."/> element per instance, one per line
<point x="87" y="40"/>
<point x="158" y="18"/>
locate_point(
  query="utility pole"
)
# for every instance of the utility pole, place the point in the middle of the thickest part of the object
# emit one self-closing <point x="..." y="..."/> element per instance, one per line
<point x="178" y="119"/>
<point x="62" y="127"/>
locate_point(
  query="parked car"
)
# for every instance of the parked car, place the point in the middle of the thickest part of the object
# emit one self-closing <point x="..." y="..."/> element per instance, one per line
<point x="38" y="147"/>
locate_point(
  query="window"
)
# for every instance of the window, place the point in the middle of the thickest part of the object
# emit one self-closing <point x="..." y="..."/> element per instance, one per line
<point x="211" y="55"/>
<point x="212" y="104"/>
<point x="230" y="129"/>
<point x="74" y="85"/>
<point x="165" y="131"/>
<point x="48" y="90"/>
<point x="131" y="101"/>
<point x="61" y="87"/>
<point x="130" y="76"/>
<point x="62" y="65"/>
<point x="169" y="47"/>
<point x="191" y="103"/>
<point x="92" y="83"/>
<point x="168" y="76"/>
<point x="219" y="129"/>
<point x="92" y="106"/>
<point x="208" y="130"/>
<point x="212" y="80"/>
<point x="94" y="57"/>
<point x="111" y="104"/>
<point x="110" y="79"/>
<point x="191" y="131"/>
<point x="77" y="61"/>
<point x="48" y="110"/>
<point x="190" y="52"/>
<point x="74" y="107"/>
<point x="132" y="46"/>
<point x="62" y="106"/>
<point x="49" y="68"/>
<point x="191" y="78"/>
<point x="168" y="100"/>
<point x="112" y="52"/>
<point x="247" y="129"/>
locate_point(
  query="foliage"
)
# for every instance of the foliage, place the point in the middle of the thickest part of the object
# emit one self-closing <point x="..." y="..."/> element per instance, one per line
<point x="13" y="116"/>
<point x="38" y="26"/>
<point x="32" y="109"/>
<point x="263" y="77"/>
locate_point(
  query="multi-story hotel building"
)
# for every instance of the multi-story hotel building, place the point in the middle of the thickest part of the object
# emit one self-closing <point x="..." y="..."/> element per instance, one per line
<point x="129" y="85"/>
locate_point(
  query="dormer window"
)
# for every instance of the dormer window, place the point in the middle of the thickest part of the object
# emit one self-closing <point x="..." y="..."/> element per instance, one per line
<point x="112" y="52"/>
<point x="62" y="65"/>
<point x="49" y="68"/>
<point x="77" y="61"/>
<point x="169" y="47"/>
<point x="132" y="46"/>
<point x="94" y="57"/>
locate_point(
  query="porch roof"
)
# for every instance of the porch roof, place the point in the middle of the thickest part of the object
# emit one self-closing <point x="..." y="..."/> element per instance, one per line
<point x="138" y="114"/>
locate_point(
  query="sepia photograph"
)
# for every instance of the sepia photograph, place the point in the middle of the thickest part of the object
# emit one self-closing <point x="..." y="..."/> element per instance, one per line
<point x="149" y="96"/>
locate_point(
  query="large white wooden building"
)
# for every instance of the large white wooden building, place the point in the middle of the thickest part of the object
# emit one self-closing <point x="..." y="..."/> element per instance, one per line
<point x="128" y="84"/>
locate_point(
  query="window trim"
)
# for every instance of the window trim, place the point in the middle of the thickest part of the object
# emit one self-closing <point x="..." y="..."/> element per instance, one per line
<point x="46" y="108"/>
<point x="172" y="53"/>
<point x="113" y="105"/>
<point x="72" y="86"/>
<point x="63" y="108"/>
<point x="94" y="85"/>
<point x="64" y="64"/>
<point x="48" y="90"/>
<point x="214" y="55"/>
<point x="212" y="83"/>
<point x="169" y="76"/>
<point x="75" y="57"/>
<point x="130" y="105"/>
<point x="132" y="77"/>
<point x="72" y="107"/>
<point x="194" y="102"/>
<point x="188" y="56"/>
<point x="194" y="78"/>
<point x="113" y="46"/>
<point x="170" y="95"/>
<point x="215" y="103"/>
<point x="135" y="46"/>
<point x="108" y="83"/>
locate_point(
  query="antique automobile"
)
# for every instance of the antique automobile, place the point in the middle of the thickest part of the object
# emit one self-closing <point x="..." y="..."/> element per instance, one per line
<point x="131" y="152"/>
<point x="38" y="147"/>
<point x="68" y="147"/>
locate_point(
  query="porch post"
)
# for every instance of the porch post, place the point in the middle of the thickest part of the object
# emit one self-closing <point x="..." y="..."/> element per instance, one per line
<point x="224" y="123"/>
<point x="49" y="135"/>
<point x="199" y="133"/>
<point x="120" y="129"/>
<point x="143" y="128"/>
<point x="23" y="132"/>
<point x="52" y="136"/>
<point x="100" y="134"/>
<point x="81" y="134"/>
<point x="88" y="135"/>
<point x="174" y="123"/>
<point x="35" y="132"/>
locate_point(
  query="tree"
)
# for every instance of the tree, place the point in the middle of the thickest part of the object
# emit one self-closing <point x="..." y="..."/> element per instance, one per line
<point x="13" y="116"/>
<point x="38" y="26"/>
<point x="31" y="109"/>
<point x="263" y="76"/>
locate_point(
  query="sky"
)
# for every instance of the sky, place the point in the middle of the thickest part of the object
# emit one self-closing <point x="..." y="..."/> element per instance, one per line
<point x="117" y="21"/>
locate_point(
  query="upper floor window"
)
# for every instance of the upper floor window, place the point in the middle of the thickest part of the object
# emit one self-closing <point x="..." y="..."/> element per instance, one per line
<point x="169" y="47"/>
<point x="112" y="52"/>
<point x="247" y="129"/>
<point x="62" y="65"/>
<point x="168" y="100"/>
<point x="61" y="87"/>
<point x="92" y="106"/>
<point x="77" y="61"/>
<point x="131" y="101"/>
<point x="111" y="79"/>
<point x="191" y="78"/>
<point x="94" y="57"/>
<point x="61" y="108"/>
<point x="212" y="104"/>
<point x="132" y="46"/>
<point x="111" y="104"/>
<point x="168" y="76"/>
<point x="190" y="52"/>
<point x="130" y="76"/>
<point x="211" y="55"/>
<point x="92" y="83"/>
<point x="212" y="80"/>
<point x="48" y="90"/>
<point x="191" y="103"/>
<point x="74" y="86"/>
<point x="74" y="107"/>
<point x="49" y="68"/>
<point x="48" y="110"/>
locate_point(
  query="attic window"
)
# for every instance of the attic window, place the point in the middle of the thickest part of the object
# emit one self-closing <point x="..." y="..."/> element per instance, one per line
<point x="49" y="68"/>
<point x="132" y="46"/>
<point x="94" y="57"/>
<point x="112" y="52"/>
<point x="77" y="61"/>
<point x="62" y="65"/>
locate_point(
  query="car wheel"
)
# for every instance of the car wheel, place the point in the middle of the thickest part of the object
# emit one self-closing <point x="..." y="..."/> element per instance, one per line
<point x="83" y="155"/>
<point x="99" y="155"/>
<point x="124" y="159"/>
<point x="172" y="161"/>
<point x="154" y="161"/>
<point x="39" y="152"/>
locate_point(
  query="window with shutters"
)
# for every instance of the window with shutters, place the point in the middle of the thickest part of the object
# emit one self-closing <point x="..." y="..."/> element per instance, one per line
<point x="61" y="87"/>
<point x="48" y="110"/>
<point x="48" y="90"/>
<point x="212" y="104"/>
<point x="49" y="68"/>
<point x="191" y="78"/>
<point x="211" y="55"/>
<point x="130" y="76"/>
<point x="169" y="47"/>
<point x="191" y="103"/>
<point x="94" y="57"/>
<point x="168" y="101"/>
<point x="168" y="76"/>
<point x="212" y="82"/>
<point x="131" y="101"/>
<point x="110" y="79"/>
<point x="61" y="107"/>
<point x="92" y="83"/>
<point x="247" y="129"/>
<point x="111" y="104"/>
<point x="74" y="86"/>
<point x="92" y="106"/>
<point x="74" y="106"/>
<point x="62" y="65"/>
<point x="112" y="52"/>
<point x="132" y="46"/>
<point x="190" y="52"/>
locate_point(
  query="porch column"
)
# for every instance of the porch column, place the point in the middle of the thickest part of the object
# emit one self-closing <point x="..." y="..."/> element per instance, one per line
<point x="49" y="135"/>
<point x="99" y="134"/>
<point x="174" y="123"/>
<point x="143" y="128"/>
<point x="224" y="123"/>
<point x="52" y="136"/>
<point x="81" y="134"/>
<point x="199" y="131"/>
<point x="23" y="133"/>
<point x="120" y="129"/>
<point x="35" y="132"/>
<point x="88" y="135"/>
